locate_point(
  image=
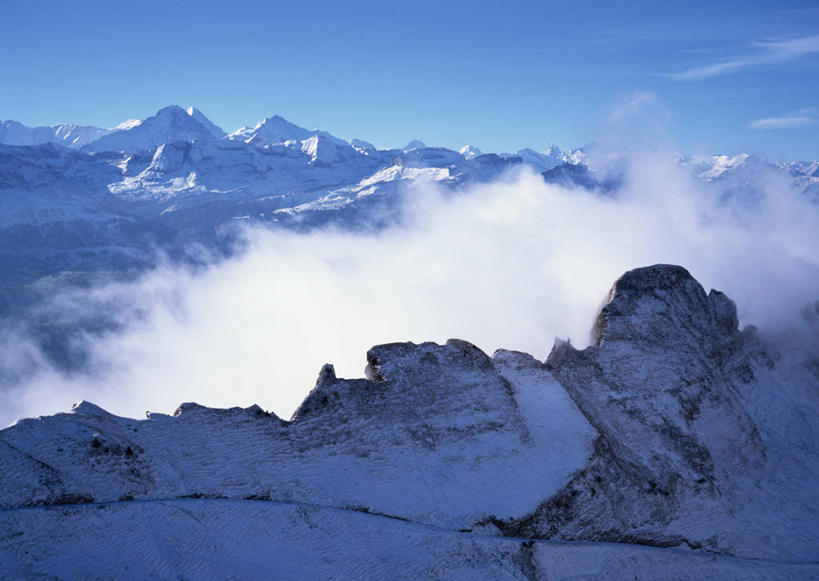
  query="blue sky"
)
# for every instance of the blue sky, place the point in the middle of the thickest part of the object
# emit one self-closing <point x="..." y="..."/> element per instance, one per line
<point x="713" y="77"/>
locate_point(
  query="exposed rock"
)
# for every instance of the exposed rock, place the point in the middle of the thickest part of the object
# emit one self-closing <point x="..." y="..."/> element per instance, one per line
<point x="675" y="438"/>
<point x="674" y="429"/>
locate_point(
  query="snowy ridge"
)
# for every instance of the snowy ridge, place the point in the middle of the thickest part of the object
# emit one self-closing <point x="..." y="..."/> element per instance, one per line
<point x="66" y="134"/>
<point x="169" y="124"/>
<point x="665" y="433"/>
<point x="109" y="199"/>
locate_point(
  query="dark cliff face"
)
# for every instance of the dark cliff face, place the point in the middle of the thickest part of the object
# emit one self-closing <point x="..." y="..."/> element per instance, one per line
<point x="663" y="432"/>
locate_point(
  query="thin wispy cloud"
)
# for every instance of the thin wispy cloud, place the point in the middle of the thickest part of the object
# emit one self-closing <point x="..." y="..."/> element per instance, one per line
<point x="792" y="120"/>
<point x="763" y="53"/>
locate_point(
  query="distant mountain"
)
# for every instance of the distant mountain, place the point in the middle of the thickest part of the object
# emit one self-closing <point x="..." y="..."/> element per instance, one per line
<point x="89" y="199"/>
<point x="214" y="129"/>
<point x="67" y="134"/>
<point x="168" y="125"/>
<point x="275" y="130"/>
<point x="470" y="152"/>
<point x="541" y="161"/>
<point x="415" y="144"/>
<point x="362" y="145"/>
<point x="269" y="131"/>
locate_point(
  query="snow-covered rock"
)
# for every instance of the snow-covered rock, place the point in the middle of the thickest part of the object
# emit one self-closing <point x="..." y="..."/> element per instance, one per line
<point x="656" y="451"/>
<point x="276" y="130"/>
<point x="470" y="152"/>
<point x="546" y="160"/>
<point x="363" y="146"/>
<point x="214" y="129"/>
<point x="169" y="124"/>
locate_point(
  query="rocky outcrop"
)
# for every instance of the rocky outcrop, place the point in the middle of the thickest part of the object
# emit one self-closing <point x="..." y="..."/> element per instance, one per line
<point x="660" y="433"/>
<point x="674" y="436"/>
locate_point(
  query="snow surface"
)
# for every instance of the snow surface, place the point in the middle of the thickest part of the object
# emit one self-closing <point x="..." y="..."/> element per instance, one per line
<point x="676" y="446"/>
<point x="66" y="134"/>
<point x="220" y="538"/>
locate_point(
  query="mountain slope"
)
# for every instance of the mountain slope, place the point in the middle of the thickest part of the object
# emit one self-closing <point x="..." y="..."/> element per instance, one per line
<point x="66" y="134"/>
<point x="175" y="180"/>
<point x="168" y="125"/>
<point x="659" y="434"/>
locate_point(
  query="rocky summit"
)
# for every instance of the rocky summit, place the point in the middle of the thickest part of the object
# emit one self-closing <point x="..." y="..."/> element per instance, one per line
<point x="677" y="445"/>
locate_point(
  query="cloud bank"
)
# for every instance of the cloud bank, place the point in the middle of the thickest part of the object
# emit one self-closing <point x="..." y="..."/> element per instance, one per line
<point x="510" y="264"/>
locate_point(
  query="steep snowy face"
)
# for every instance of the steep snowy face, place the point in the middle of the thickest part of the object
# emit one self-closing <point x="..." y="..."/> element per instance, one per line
<point x="543" y="161"/>
<point x="168" y="125"/>
<point x="214" y="129"/>
<point x="320" y="146"/>
<point x="270" y="131"/>
<point x="47" y="182"/>
<point x="679" y="458"/>
<point x="364" y="146"/>
<point x="470" y="152"/>
<point x="324" y="149"/>
<point x="277" y="130"/>
<point x="653" y="382"/>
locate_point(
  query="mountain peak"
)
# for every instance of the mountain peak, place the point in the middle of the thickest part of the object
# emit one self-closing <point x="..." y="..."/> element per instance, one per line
<point x="647" y="300"/>
<point x="276" y="130"/>
<point x="470" y="152"/>
<point x="272" y="130"/>
<point x="65" y="134"/>
<point x="171" y="123"/>
<point x="214" y="129"/>
<point x="127" y="124"/>
<point x="171" y="111"/>
<point x="415" y="144"/>
<point x="553" y="151"/>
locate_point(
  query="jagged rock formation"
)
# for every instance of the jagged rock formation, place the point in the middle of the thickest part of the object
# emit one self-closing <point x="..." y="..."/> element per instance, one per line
<point x="674" y="430"/>
<point x="674" y="437"/>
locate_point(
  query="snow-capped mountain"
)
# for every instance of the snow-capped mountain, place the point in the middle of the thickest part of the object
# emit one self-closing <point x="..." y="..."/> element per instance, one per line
<point x="414" y="144"/>
<point x="197" y="115"/>
<point x="676" y="442"/>
<point x="676" y="446"/>
<point x="176" y="178"/>
<point x="540" y="161"/>
<point x="274" y="130"/>
<point x="168" y="125"/>
<point x="66" y="134"/>
<point x="745" y="170"/>
<point x="470" y="152"/>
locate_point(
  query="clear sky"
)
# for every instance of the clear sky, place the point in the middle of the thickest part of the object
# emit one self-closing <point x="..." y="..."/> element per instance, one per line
<point x="725" y="76"/>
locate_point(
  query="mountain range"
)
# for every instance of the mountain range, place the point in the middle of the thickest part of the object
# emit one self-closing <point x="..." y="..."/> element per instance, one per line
<point x="81" y="204"/>
<point x="86" y="199"/>
<point x="677" y="445"/>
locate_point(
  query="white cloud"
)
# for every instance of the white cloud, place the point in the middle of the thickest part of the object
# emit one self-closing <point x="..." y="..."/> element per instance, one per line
<point x="632" y="104"/>
<point x="765" y="53"/>
<point x="795" y="119"/>
<point x="510" y="264"/>
<point x="637" y="119"/>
